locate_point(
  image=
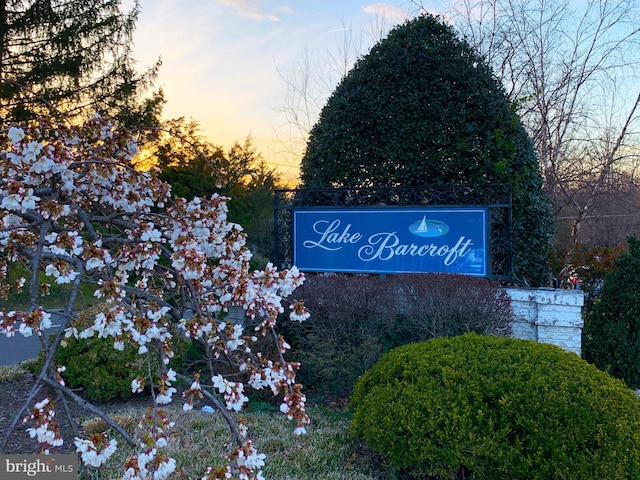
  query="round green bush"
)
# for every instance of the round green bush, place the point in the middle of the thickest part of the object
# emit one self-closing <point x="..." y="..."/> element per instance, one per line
<point x="484" y="407"/>
<point x="103" y="372"/>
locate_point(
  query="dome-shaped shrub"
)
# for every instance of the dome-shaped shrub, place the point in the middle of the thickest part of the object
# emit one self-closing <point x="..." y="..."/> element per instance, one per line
<point x="423" y="108"/>
<point x="493" y="408"/>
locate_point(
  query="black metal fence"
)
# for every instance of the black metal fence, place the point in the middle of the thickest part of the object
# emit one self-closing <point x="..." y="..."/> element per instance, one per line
<point x="497" y="199"/>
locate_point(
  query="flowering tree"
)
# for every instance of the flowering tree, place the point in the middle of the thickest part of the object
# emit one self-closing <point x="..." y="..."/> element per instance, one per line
<point x="74" y="212"/>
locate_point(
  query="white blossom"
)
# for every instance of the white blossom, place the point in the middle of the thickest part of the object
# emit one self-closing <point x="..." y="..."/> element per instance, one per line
<point x="15" y="134"/>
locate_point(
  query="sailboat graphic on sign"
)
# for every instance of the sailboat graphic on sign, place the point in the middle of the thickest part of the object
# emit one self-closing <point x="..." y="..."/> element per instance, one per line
<point x="428" y="228"/>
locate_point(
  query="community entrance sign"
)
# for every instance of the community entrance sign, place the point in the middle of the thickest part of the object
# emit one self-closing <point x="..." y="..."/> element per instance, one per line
<point x="391" y="240"/>
<point x="436" y="229"/>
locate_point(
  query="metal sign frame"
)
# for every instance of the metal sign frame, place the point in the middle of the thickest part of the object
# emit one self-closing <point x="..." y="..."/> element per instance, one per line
<point x="347" y="203"/>
<point x="391" y="240"/>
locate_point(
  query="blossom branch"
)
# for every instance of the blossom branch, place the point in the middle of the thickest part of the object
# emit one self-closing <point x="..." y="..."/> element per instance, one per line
<point x="91" y="408"/>
<point x="73" y="207"/>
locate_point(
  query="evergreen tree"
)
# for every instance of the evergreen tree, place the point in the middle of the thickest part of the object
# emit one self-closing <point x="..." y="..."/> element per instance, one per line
<point x="194" y="167"/>
<point x="73" y="56"/>
<point x="612" y="330"/>
<point x="187" y="161"/>
<point x="422" y="108"/>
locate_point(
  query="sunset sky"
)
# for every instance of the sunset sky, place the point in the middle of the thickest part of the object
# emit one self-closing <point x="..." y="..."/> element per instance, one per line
<point x="223" y="61"/>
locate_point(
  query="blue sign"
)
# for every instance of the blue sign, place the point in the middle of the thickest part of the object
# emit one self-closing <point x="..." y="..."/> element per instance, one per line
<point x="391" y="240"/>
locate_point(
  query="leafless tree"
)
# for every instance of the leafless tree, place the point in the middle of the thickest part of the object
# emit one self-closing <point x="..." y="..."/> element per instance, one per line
<point x="307" y="84"/>
<point x="612" y="217"/>
<point x="572" y="69"/>
<point x="309" y="81"/>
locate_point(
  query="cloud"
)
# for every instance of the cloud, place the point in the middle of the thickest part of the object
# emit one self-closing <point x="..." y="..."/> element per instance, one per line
<point x="252" y="9"/>
<point x="285" y="9"/>
<point x="392" y="13"/>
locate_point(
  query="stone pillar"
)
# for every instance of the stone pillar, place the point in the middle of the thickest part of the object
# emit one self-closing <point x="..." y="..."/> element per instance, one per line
<point x="548" y="316"/>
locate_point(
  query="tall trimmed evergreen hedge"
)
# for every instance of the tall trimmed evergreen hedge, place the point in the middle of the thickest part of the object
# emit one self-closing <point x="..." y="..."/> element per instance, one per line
<point x="611" y="336"/>
<point x="422" y="108"/>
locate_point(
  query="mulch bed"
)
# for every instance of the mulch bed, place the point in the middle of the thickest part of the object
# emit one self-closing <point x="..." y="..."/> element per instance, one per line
<point x="13" y="395"/>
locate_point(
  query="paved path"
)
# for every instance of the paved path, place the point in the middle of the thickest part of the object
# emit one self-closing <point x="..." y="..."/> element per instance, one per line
<point x="18" y="348"/>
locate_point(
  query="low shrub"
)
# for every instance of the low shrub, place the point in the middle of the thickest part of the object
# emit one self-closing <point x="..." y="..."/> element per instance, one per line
<point x="102" y="372"/>
<point x="587" y="264"/>
<point x="481" y="407"/>
<point x="356" y="319"/>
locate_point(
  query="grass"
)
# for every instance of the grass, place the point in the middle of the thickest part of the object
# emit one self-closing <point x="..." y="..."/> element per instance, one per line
<point x="57" y="297"/>
<point x="12" y="373"/>
<point x="198" y="440"/>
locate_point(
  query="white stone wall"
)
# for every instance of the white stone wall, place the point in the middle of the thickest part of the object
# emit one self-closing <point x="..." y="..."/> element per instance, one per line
<point x="548" y="316"/>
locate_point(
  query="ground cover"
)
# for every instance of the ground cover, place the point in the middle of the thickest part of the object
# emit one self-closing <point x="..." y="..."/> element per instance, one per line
<point x="326" y="452"/>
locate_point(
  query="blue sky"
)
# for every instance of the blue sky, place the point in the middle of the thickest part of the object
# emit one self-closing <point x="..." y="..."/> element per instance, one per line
<point x="221" y="58"/>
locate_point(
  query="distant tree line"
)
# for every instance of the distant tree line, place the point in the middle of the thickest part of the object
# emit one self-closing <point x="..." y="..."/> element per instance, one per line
<point x="73" y="58"/>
